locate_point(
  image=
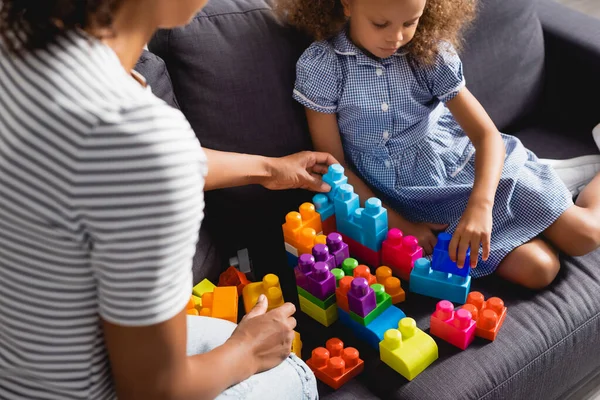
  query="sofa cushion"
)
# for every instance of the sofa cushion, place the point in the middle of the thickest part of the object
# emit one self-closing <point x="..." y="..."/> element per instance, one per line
<point x="153" y="68"/>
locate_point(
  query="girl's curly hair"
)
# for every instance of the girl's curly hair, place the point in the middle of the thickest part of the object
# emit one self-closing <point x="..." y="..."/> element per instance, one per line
<point x="442" y="20"/>
<point x="33" y="24"/>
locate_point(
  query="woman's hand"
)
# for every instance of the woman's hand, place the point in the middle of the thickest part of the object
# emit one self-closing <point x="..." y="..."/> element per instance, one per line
<point x="302" y="170"/>
<point x="268" y="336"/>
<point x="474" y="230"/>
<point x="426" y="233"/>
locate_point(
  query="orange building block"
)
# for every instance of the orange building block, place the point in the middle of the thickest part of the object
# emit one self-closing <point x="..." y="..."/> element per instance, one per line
<point x="233" y="277"/>
<point x="489" y="314"/>
<point x="308" y="239"/>
<point x="190" y="307"/>
<point x="362" y="271"/>
<point x="221" y="303"/>
<point x="295" y="222"/>
<point x="269" y="286"/>
<point x="341" y="293"/>
<point x="335" y="365"/>
<point x="392" y="285"/>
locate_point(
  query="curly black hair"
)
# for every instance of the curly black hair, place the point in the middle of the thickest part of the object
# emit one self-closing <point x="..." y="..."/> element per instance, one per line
<point x="32" y="24"/>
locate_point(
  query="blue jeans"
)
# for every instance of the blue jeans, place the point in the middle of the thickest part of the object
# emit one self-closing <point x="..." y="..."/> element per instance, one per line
<point x="290" y="380"/>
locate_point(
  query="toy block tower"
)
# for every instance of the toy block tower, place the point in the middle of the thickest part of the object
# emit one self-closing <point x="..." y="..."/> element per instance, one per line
<point x="437" y="284"/>
<point x="455" y="327"/>
<point x="337" y="248"/>
<point x="335" y="365"/>
<point x="324" y="207"/>
<point x="400" y="252"/>
<point x="269" y="286"/>
<point x="441" y="258"/>
<point x="316" y="286"/>
<point x="489" y="315"/>
<point x="392" y="285"/>
<point x="408" y="350"/>
<point x="300" y="231"/>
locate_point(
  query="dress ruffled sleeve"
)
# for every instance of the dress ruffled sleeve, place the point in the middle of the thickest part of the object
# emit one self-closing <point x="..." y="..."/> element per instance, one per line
<point x="445" y="78"/>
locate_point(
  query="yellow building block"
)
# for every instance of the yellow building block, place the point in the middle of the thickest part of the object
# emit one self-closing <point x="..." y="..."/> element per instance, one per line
<point x="408" y="350"/>
<point x="269" y="286"/>
<point x="197" y="301"/>
<point x="297" y="345"/>
<point x="325" y="317"/>
<point x="203" y="287"/>
<point x="221" y="303"/>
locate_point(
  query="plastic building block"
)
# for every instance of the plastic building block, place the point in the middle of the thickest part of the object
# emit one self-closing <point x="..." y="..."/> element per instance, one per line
<point x="373" y="333"/>
<point x="324" y="316"/>
<point x="269" y="286"/>
<point x="190" y="307"/>
<point x="392" y="285"/>
<point x="361" y="298"/>
<point x="337" y="248"/>
<point x="329" y="225"/>
<point x="303" y="270"/>
<point x="362" y="271"/>
<point x="362" y="253"/>
<point x="489" y="315"/>
<point x="441" y="258"/>
<point x="335" y="178"/>
<point x="292" y="260"/>
<point x="295" y="222"/>
<point x="408" y="350"/>
<point x="242" y="261"/>
<point x="203" y="287"/>
<point x="339" y="274"/>
<point x="324" y="304"/>
<point x="455" y="327"/>
<point x="291" y="249"/>
<point x="323" y="206"/>
<point x="297" y="345"/>
<point x="437" y="284"/>
<point x="341" y="293"/>
<point x="348" y="266"/>
<point x="400" y="252"/>
<point x="384" y="301"/>
<point x="335" y="365"/>
<point x="197" y="301"/>
<point x="321" y="254"/>
<point x="348" y="213"/>
<point x="321" y="282"/>
<point x="308" y="239"/>
<point x="374" y="222"/>
<point x="233" y="277"/>
<point x="221" y="303"/>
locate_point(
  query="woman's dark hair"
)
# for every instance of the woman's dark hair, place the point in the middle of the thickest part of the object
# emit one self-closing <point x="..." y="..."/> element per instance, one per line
<point x="33" y="24"/>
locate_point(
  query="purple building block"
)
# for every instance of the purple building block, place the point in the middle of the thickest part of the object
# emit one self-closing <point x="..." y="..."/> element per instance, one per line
<point x="361" y="298"/>
<point x="321" y="282"/>
<point x="337" y="248"/>
<point x="321" y="254"/>
<point x="304" y="269"/>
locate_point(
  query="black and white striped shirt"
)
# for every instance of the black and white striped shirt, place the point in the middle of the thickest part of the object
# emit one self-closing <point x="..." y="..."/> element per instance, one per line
<point x="100" y="206"/>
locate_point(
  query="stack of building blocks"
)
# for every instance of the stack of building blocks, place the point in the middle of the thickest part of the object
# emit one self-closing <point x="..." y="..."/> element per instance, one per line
<point x="316" y="286"/>
<point x="400" y="252"/>
<point x="392" y="285"/>
<point x="408" y="350"/>
<point x="269" y="286"/>
<point x="204" y="286"/>
<point x="455" y="327"/>
<point x="489" y="315"/>
<point x="324" y="207"/>
<point x="297" y="345"/>
<point x="335" y="365"/>
<point x="363" y="271"/>
<point x="300" y="231"/>
<point x="338" y="248"/>
<point x="221" y="303"/>
<point x="233" y="277"/>
<point x="437" y="284"/>
<point x="194" y="305"/>
<point x="441" y="257"/>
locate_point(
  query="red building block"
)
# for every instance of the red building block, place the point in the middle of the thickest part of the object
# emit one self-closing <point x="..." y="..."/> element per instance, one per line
<point x="341" y="293"/>
<point x="456" y="328"/>
<point x="362" y="271"/>
<point x="400" y="252"/>
<point x="363" y="253"/>
<point x="489" y="315"/>
<point x="392" y="285"/>
<point x="329" y="225"/>
<point x="335" y="365"/>
<point x="233" y="277"/>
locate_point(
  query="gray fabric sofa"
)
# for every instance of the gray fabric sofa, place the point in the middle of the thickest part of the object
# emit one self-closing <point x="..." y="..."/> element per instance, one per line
<point x="535" y="67"/>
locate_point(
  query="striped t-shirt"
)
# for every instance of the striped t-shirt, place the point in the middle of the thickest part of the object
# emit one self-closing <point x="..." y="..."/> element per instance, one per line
<point x="100" y="206"/>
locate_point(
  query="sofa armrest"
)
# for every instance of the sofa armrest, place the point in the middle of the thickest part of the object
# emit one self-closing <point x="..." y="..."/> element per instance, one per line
<point x="572" y="68"/>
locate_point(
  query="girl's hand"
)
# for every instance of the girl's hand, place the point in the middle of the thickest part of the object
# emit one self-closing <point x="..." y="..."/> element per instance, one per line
<point x="474" y="231"/>
<point x="426" y="233"/>
<point x="302" y="170"/>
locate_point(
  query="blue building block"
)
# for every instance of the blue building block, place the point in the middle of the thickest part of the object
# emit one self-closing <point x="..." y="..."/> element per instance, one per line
<point x="323" y="206"/>
<point x="292" y="260"/>
<point x="335" y="178"/>
<point x="441" y="258"/>
<point x="348" y="213"/>
<point x="373" y="333"/>
<point x="437" y="284"/>
<point x="374" y="221"/>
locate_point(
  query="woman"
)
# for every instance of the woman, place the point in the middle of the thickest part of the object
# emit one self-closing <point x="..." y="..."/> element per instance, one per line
<point x="101" y="199"/>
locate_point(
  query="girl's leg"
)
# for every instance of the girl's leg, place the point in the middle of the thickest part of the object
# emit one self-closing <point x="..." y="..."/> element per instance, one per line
<point x="292" y="379"/>
<point x="533" y="265"/>
<point x="577" y="231"/>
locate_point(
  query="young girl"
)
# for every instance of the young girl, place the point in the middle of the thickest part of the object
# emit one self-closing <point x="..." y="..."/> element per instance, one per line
<point x="385" y="94"/>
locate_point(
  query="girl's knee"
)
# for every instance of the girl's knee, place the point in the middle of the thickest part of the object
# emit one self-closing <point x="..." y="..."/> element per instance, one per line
<point x="542" y="271"/>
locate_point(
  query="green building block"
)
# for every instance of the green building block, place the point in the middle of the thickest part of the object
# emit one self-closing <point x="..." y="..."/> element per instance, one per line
<point x="339" y="274"/>
<point x="324" y="304"/>
<point x="384" y="301"/>
<point x="348" y="266"/>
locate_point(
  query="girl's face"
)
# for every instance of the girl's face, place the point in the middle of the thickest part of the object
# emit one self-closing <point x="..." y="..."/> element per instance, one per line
<point x="381" y="27"/>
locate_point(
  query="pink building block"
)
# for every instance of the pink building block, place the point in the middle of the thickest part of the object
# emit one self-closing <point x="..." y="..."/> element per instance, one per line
<point x="455" y="327"/>
<point x="361" y="298"/>
<point x="400" y="252"/>
<point x="321" y="282"/>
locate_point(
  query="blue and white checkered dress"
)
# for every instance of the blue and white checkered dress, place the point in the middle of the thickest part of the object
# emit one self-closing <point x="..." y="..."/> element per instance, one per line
<point x="402" y="140"/>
